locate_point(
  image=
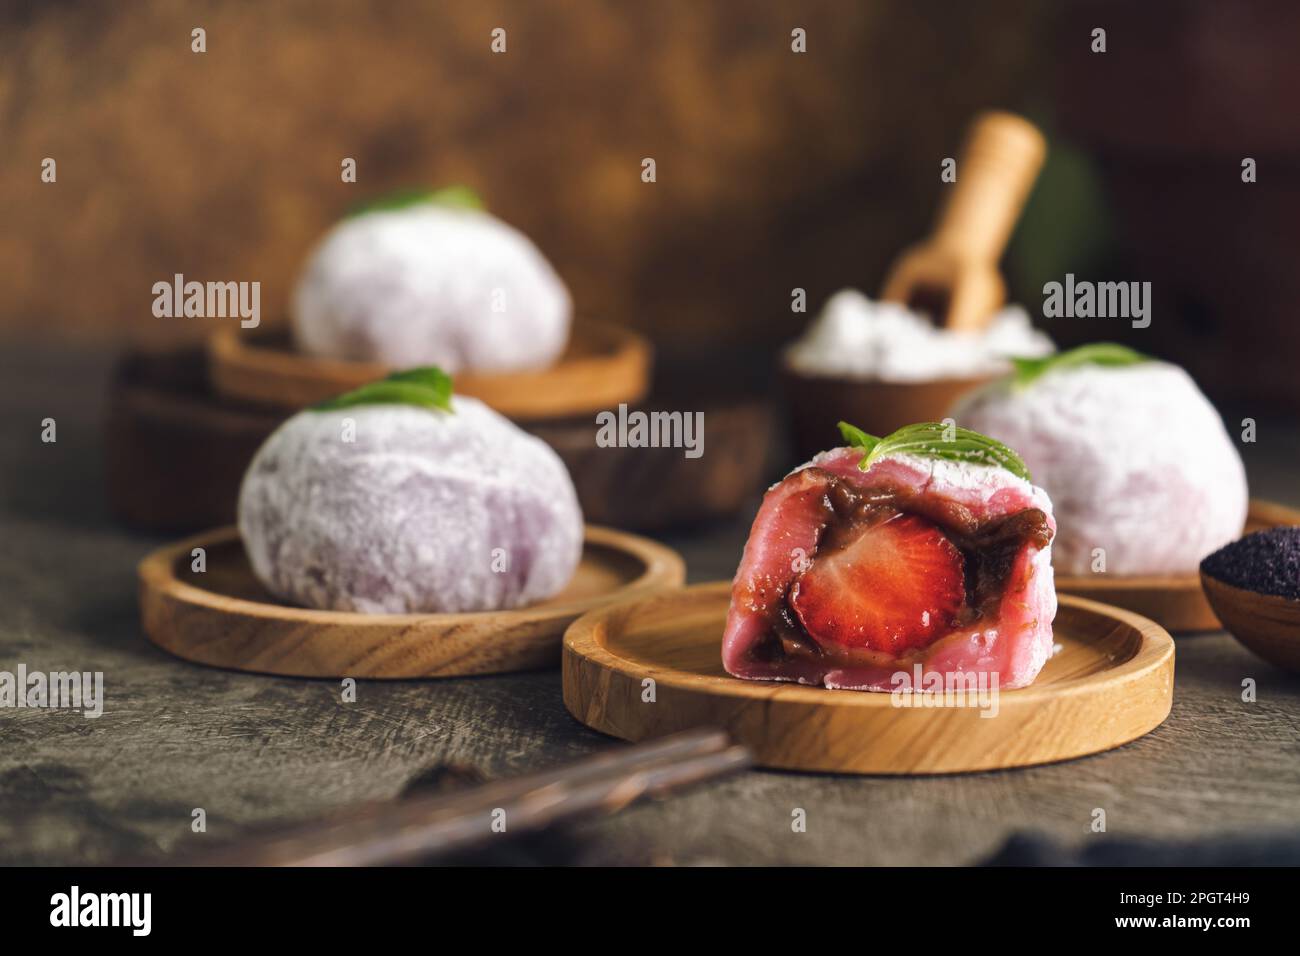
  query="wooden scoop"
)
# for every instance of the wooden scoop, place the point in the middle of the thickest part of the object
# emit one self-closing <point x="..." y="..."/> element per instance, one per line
<point x="953" y="275"/>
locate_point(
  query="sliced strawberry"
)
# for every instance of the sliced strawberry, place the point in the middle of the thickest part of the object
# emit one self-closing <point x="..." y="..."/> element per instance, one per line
<point x="897" y="586"/>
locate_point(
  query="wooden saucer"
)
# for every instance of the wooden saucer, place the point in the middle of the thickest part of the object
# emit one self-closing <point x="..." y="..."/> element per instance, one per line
<point x="1111" y="683"/>
<point x="224" y="618"/>
<point x="602" y="366"/>
<point x="1176" y="602"/>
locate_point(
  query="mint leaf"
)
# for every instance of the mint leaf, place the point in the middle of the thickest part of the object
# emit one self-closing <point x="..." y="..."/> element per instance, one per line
<point x="426" y="387"/>
<point x="855" y="437"/>
<point x="426" y="376"/>
<point x="458" y="197"/>
<point x="454" y="197"/>
<point x="937" y="440"/>
<point x="1029" y="370"/>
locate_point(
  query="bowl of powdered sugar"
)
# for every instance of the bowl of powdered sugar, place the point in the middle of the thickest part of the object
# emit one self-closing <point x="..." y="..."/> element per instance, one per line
<point x="882" y="365"/>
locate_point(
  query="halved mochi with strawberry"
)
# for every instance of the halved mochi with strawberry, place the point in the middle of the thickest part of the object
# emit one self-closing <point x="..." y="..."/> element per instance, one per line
<point x="929" y="548"/>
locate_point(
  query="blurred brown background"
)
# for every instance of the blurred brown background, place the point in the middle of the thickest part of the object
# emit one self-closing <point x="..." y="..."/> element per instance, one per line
<point x="775" y="169"/>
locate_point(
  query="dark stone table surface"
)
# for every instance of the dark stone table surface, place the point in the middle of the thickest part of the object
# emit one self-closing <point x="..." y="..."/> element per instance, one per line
<point x="253" y="751"/>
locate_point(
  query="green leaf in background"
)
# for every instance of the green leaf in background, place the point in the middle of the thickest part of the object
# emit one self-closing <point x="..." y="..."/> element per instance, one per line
<point x="936" y="440"/>
<point x="426" y="387"/>
<point x="1029" y="370"/>
<point x="1068" y="224"/>
<point x="454" y="197"/>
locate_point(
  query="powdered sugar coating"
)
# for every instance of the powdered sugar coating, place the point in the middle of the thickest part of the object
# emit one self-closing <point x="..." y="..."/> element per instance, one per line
<point x="984" y="489"/>
<point x="431" y="285"/>
<point x="857" y="338"/>
<point x="1135" y="458"/>
<point x="406" y="518"/>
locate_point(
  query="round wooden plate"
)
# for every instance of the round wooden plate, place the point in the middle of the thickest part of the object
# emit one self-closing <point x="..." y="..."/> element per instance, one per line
<point x="1111" y="683"/>
<point x="1176" y="602"/>
<point x="224" y="618"/>
<point x="602" y="366"/>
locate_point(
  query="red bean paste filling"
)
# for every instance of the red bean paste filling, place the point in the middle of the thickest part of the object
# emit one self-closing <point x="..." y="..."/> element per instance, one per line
<point x="988" y="548"/>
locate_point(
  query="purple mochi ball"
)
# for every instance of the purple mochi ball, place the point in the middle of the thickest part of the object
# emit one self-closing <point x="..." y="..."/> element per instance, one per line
<point x="431" y="285"/>
<point x="399" y="509"/>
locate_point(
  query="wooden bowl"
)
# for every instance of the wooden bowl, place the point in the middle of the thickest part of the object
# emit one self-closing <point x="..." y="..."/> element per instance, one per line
<point x="641" y="489"/>
<point x="602" y="366"/>
<point x="176" y="452"/>
<point x="1111" y="682"/>
<point x="878" y="408"/>
<point x="1266" y="623"/>
<point x="1177" y="602"/>
<point x="223" y="617"/>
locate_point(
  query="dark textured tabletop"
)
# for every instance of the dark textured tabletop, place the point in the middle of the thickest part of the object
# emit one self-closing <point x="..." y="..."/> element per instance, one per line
<point x="252" y="751"/>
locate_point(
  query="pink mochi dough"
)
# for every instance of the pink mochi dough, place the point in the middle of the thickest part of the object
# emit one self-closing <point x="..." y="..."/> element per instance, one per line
<point x="423" y="511"/>
<point x="1012" y="646"/>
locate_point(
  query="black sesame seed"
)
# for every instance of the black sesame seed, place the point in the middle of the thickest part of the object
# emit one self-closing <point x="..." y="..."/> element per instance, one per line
<point x="1266" y="562"/>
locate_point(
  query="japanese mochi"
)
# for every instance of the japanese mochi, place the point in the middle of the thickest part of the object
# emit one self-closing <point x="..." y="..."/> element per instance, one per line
<point x="399" y="499"/>
<point x="924" y="553"/>
<point x="1144" y="476"/>
<point x="431" y="283"/>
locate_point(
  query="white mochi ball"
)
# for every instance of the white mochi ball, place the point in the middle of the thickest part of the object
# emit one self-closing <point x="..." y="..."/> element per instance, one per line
<point x="423" y="511"/>
<point x="431" y="285"/>
<point x="1135" y="459"/>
